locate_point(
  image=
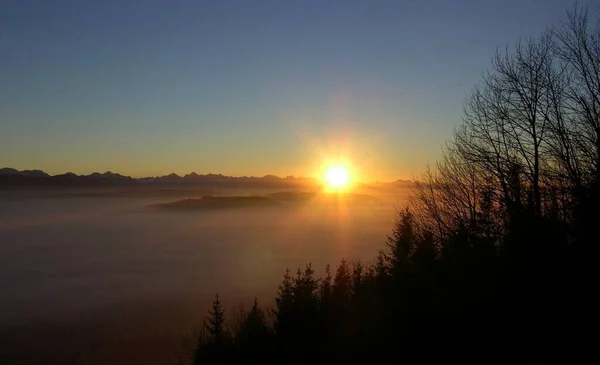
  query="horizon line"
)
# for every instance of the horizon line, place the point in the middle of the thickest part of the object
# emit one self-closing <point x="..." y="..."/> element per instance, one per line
<point x="190" y="173"/>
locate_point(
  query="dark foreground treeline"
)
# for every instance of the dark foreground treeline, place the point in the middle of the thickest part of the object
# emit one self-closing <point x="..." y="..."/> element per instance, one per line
<point x="495" y="255"/>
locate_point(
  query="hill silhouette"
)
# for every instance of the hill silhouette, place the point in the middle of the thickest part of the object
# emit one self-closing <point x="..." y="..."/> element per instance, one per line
<point x="279" y="199"/>
<point x="220" y="202"/>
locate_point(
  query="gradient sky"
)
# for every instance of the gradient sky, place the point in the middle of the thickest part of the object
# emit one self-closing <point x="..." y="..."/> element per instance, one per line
<point x="245" y="87"/>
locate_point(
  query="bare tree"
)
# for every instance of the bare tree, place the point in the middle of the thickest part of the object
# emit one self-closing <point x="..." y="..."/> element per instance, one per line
<point x="578" y="46"/>
<point x="529" y="144"/>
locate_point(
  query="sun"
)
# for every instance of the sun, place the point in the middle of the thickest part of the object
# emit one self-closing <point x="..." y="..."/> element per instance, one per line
<point x="337" y="177"/>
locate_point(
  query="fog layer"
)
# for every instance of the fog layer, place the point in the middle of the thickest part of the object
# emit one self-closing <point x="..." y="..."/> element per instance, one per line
<point x="120" y="263"/>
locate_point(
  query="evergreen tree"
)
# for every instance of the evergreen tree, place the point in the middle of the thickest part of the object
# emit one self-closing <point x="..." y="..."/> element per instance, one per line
<point x="284" y="303"/>
<point x="305" y="289"/>
<point x="401" y="244"/>
<point x="212" y="344"/>
<point x="251" y="338"/>
<point x="342" y="292"/>
<point x="254" y="322"/>
<point x="357" y="277"/>
<point x="342" y="285"/>
<point x="325" y="290"/>
<point x="215" y="323"/>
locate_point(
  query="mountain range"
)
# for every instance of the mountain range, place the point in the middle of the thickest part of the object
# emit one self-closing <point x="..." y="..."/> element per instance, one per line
<point x="38" y="178"/>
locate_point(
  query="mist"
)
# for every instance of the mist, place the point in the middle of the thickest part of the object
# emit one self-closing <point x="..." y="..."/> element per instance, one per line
<point x="106" y="269"/>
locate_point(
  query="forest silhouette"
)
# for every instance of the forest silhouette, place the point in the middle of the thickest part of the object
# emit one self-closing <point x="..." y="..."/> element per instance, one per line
<point x="494" y="256"/>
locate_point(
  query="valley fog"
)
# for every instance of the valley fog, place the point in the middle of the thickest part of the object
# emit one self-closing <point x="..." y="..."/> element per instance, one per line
<point x="110" y="271"/>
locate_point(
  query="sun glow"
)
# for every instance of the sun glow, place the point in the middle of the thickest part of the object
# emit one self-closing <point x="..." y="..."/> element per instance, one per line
<point x="337" y="177"/>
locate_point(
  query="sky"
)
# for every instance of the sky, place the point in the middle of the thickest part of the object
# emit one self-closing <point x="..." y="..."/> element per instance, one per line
<point x="147" y="88"/>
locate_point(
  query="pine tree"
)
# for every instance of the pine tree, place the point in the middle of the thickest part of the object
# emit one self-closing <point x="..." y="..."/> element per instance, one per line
<point x="284" y="303"/>
<point x="253" y="333"/>
<point x="215" y="323"/>
<point x="305" y="289"/>
<point x="255" y="320"/>
<point x="342" y="285"/>
<point x="325" y="290"/>
<point x="401" y="244"/>
<point x="424" y="253"/>
<point x="213" y="340"/>
<point x="357" y="278"/>
<point x="381" y="268"/>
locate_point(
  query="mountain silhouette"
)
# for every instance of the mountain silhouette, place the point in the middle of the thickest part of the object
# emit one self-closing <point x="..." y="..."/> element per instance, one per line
<point x="10" y="177"/>
<point x="31" y="173"/>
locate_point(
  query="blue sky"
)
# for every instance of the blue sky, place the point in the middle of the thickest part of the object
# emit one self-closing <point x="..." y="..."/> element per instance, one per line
<point x="245" y="87"/>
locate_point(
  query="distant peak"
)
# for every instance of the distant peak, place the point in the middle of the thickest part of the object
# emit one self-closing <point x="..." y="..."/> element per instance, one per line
<point x="30" y="173"/>
<point x="271" y="177"/>
<point x="171" y="176"/>
<point x="9" y="171"/>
